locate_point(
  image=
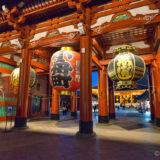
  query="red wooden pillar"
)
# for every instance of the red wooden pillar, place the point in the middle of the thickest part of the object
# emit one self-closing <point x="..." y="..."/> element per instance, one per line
<point x="23" y="89"/>
<point x="47" y="99"/>
<point x="55" y="105"/>
<point x="111" y="100"/>
<point x="86" y="123"/>
<point x="73" y="105"/>
<point x="151" y="96"/>
<point x="102" y="107"/>
<point x="29" y="114"/>
<point x="156" y="79"/>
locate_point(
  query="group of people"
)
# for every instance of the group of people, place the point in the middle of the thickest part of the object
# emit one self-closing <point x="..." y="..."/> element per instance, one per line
<point x="122" y="105"/>
<point x="141" y="107"/>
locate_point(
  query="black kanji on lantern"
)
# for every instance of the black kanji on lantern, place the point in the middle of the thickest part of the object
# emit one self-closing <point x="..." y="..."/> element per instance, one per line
<point x="60" y="71"/>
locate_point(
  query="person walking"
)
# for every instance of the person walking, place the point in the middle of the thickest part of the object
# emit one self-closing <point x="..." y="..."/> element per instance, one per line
<point x="63" y="109"/>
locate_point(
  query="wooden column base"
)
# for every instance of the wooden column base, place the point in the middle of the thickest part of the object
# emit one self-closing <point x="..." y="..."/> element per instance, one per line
<point x="54" y="116"/>
<point x="103" y="119"/>
<point x="85" y="129"/>
<point x="74" y="114"/>
<point x="157" y="122"/>
<point x="20" y="123"/>
<point x="112" y="116"/>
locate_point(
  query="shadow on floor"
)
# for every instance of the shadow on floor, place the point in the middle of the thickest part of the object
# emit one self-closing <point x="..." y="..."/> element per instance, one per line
<point x="28" y="145"/>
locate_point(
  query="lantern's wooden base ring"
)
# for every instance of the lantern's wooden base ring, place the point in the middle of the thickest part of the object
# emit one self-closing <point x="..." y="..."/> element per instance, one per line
<point x="112" y="116"/>
<point x="20" y="123"/>
<point x="74" y="114"/>
<point x="103" y="119"/>
<point x="54" y="116"/>
<point x="157" y="122"/>
<point x="85" y="129"/>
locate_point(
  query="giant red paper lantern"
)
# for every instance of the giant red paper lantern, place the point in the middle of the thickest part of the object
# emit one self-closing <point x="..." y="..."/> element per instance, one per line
<point x="65" y="69"/>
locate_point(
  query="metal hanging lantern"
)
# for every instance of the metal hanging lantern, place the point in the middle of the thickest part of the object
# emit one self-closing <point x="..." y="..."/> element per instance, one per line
<point x="65" y="69"/>
<point x="15" y="78"/>
<point x="126" y="66"/>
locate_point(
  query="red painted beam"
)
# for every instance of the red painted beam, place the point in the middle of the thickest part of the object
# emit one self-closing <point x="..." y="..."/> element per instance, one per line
<point x="38" y="70"/>
<point x="39" y="65"/>
<point x="96" y="61"/>
<point x="7" y="50"/>
<point x="97" y="47"/>
<point x="8" y="61"/>
<point x="4" y="70"/>
<point x="43" y="73"/>
<point x="41" y="54"/>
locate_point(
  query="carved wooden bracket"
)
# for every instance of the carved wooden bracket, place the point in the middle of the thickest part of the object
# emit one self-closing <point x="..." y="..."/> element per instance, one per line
<point x="16" y="20"/>
<point x="25" y="35"/>
<point x="78" y="4"/>
<point x="81" y="10"/>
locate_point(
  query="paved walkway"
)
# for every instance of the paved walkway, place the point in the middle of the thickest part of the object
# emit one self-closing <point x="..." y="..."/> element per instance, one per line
<point x="130" y="137"/>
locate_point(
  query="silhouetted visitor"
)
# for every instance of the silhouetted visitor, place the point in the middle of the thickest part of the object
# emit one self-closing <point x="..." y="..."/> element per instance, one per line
<point x="95" y="107"/>
<point x="64" y="110"/>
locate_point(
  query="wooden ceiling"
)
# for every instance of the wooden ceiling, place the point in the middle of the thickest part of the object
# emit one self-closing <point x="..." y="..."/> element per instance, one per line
<point x="34" y="13"/>
<point x="101" y="44"/>
<point x="127" y="36"/>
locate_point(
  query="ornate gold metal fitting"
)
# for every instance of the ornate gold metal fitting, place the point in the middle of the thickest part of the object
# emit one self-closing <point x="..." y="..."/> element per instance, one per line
<point x="67" y="48"/>
<point x="124" y="49"/>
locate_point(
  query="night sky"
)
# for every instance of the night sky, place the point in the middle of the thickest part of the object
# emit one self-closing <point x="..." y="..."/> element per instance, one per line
<point x="142" y="84"/>
<point x="94" y="78"/>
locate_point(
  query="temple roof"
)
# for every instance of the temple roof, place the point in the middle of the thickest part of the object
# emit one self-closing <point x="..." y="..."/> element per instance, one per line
<point x="37" y="11"/>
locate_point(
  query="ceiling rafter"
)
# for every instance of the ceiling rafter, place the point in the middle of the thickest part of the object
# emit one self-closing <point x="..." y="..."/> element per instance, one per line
<point x="8" y="61"/>
<point x="98" y="47"/>
<point x="33" y="63"/>
<point x="41" y="54"/>
<point x="128" y="39"/>
<point x="96" y="61"/>
<point x="4" y="70"/>
<point x="39" y="65"/>
<point x="7" y="50"/>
